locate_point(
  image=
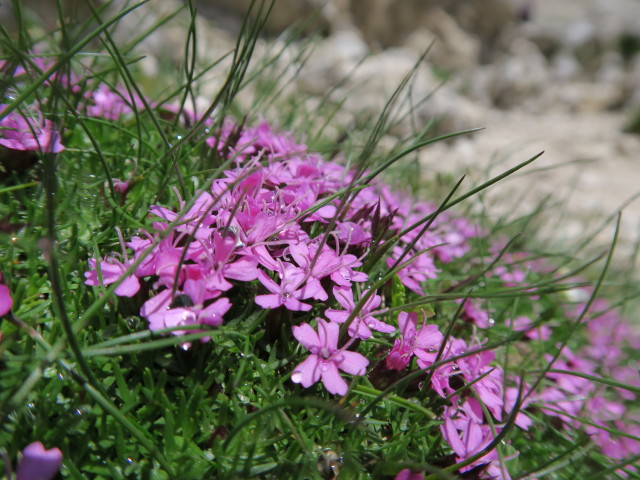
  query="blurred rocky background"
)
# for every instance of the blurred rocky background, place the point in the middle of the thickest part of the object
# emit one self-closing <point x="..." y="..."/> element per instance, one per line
<point x="560" y="76"/>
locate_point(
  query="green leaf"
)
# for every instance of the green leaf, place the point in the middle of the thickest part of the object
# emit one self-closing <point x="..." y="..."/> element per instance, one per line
<point x="398" y="295"/>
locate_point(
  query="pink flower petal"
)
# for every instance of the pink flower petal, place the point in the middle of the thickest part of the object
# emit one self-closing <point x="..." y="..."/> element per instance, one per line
<point x="313" y="289"/>
<point x="244" y="269"/>
<point x="328" y="333"/>
<point x="473" y="438"/>
<point x="156" y="304"/>
<point x="307" y="336"/>
<point x="39" y="463"/>
<point x="5" y="300"/>
<point x="351" y="362"/>
<point x="407" y="323"/>
<point x="129" y="287"/>
<point x="407" y="474"/>
<point x="296" y="305"/>
<point x="269" y="284"/>
<point x="212" y="315"/>
<point x="308" y="372"/>
<point x="344" y="295"/>
<point x="268" y="301"/>
<point x="339" y="316"/>
<point x="331" y="378"/>
<point x="450" y="433"/>
<point x="429" y="337"/>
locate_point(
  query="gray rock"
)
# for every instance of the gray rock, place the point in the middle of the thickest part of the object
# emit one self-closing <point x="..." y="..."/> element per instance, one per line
<point x="565" y="67"/>
<point x="514" y="76"/>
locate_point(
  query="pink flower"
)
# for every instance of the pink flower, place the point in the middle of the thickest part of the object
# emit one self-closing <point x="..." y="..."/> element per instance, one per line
<point x="5" y="299"/>
<point x="522" y="420"/>
<point x="473" y="312"/>
<point x="427" y="337"/>
<point x="364" y="321"/>
<point x="487" y="381"/>
<point x="37" y="463"/>
<point x="418" y="271"/>
<point x="111" y="104"/>
<point x="352" y="233"/>
<point x="111" y="271"/>
<point x="466" y="438"/>
<point x="407" y="474"/>
<point x="218" y="263"/>
<point x="185" y="309"/>
<point x="19" y="131"/>
<point x="287" y="294"/>
<point x="120" y="186"/>
<point x="523" y="324"/>
<point x="326" y="263"/>
<point x="325" y="358"/>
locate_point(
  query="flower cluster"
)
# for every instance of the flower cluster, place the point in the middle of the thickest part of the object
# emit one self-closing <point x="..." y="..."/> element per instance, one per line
<point x="330" y="245"/>
<point x="258" y="222"/>
<point x="285" y="221"/>
<point x="571" y="396"/>
<point x="26" y="129"/>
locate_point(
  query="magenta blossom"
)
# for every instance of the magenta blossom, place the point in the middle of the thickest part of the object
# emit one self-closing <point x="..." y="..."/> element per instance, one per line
<point x="38" y="463"/>
<point x="523" y="324"/>
<point x="111" y="104"/>
<point x="111" y="271"/>
<point x="120" y="186"/>
<point x="187" y="308"/>
<point x="427" y="337"/>
<point x="5" y="299"/>
<point x="407" y="474"/>
<point x="466" y="438"/>
<point x="325" y="358"/>
<point x="473" y="312"/>
<point x="364" y="321"/>
<point x="20" y="131"/>
<point x="287" y="294"/>
<point x="419" y="270"/>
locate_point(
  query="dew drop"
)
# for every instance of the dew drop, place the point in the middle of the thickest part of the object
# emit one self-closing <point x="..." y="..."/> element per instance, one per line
<point x="325" y="367"/>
